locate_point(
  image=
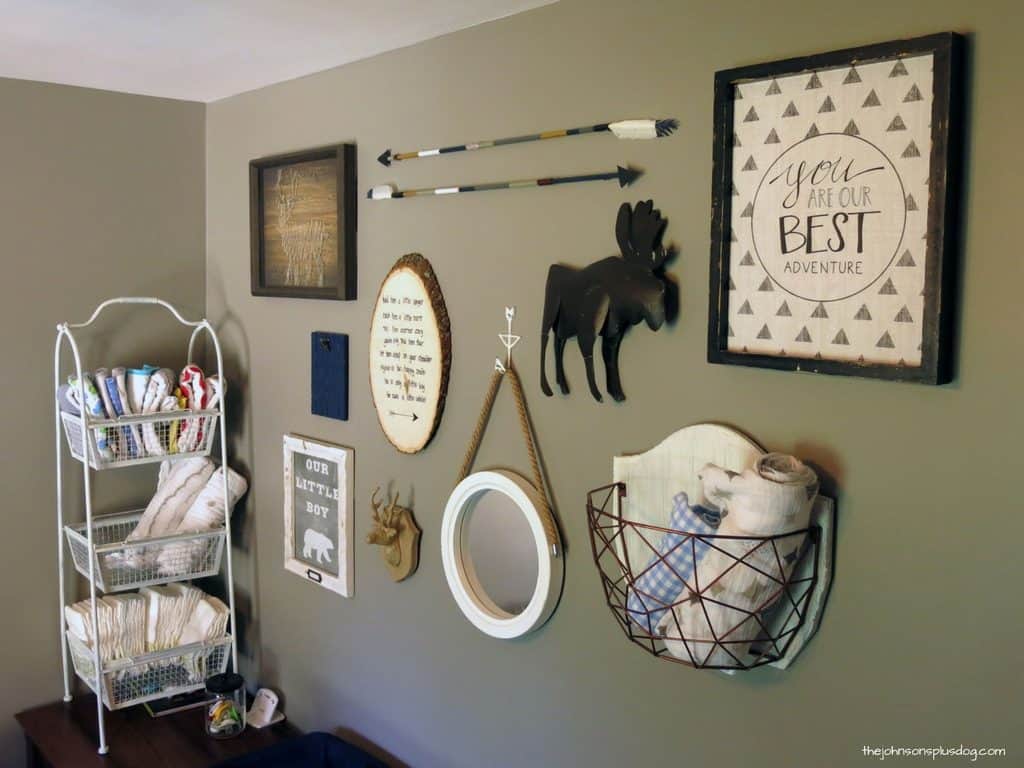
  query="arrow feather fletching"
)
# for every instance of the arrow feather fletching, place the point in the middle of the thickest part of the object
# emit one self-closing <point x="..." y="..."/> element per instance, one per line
<point x="643" y="129"/>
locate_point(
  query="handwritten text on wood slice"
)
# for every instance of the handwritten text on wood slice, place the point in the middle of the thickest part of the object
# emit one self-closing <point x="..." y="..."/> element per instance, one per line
<point x="410" y="354"/>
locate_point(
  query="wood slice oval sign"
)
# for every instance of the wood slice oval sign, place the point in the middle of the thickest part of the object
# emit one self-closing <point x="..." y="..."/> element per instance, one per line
<point x="410" y="354"/>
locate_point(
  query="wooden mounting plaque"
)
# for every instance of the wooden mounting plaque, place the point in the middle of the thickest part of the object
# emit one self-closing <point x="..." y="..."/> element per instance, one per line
<point x="410" y="354"/>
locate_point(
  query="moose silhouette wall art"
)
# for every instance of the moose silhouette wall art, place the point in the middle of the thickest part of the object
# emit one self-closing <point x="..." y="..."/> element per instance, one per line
<point x="607" y="297"/>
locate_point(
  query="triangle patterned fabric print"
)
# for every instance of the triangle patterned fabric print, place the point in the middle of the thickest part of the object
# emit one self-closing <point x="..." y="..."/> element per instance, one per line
<point x="886" y="104"/>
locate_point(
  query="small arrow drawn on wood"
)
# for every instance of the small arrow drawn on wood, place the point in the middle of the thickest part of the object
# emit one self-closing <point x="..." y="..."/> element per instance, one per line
<point x="412" y="416"/>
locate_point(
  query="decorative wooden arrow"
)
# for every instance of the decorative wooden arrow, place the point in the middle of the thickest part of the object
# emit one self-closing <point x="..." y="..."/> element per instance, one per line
<point x="623" y="129"/>
<point x="625" y="177"/>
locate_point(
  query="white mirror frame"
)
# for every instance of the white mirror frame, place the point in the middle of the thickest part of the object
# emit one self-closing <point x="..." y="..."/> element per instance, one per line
<point x="458" y="566"/>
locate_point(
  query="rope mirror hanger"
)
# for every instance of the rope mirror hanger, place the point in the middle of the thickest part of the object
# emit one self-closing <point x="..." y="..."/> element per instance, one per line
<point x="529" y="499"/>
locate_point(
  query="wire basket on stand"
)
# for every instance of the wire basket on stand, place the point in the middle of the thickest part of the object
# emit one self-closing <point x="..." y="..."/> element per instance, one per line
<point x="688" y="587"/>
<point x="729" y="636"/>
<point x="156" y="675"/>
<point x="101" y="547"/>
<point x="129" y="440"/>
<point x="120" y="564"/>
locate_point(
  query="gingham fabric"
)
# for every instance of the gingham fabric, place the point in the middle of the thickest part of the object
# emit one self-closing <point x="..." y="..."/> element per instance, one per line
<point x="660" y="584"/>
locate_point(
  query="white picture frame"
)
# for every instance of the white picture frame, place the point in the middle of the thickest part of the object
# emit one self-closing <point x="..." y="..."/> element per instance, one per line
<point x="318" y="491"/>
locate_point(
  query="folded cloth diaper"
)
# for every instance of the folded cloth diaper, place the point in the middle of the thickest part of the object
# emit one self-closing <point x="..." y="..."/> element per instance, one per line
<point x="194" y="388"/>
<point x="169" y="609"/>
<point x="180" y="482"/>
<point x="122" y="627"/>
<point x="131" y="439"/>
<point x="206" y="513"/>
<point x="159" y="386"/>
<point x="128" y="616"/>
<point x="94" y="408"/>
<point x="209" y="621"/>
<point x="79" y="620"/>
<point x="154" y="619"/>
<point x="64" y="401"/>
<point x="120" y="376"/>
<point x="103" y="380"/>
<point x="170" y="438"/>
<point x="136" y="383"/>
<point x="668" y="572"/>
<point x="744" y="575"/>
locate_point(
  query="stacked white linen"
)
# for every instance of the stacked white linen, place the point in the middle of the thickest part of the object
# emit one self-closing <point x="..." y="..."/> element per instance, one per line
<point x="169" y="610"/>
<point x="122" y="624"/>
<point x="155" y="619"/>
<point x="209" y="621"/>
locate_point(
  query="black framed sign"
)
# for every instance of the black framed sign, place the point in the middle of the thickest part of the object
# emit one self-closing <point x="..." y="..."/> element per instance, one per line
<point x="834" y="211"/>
<point x="302" y="219"/>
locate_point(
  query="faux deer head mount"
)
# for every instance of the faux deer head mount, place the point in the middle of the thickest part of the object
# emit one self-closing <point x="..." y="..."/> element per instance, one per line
<point x="607" y="297"/>
<point x="396" y="533"/>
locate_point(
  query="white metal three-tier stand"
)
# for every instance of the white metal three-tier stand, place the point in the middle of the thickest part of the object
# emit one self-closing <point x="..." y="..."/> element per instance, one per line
<point x="109" y="562"/>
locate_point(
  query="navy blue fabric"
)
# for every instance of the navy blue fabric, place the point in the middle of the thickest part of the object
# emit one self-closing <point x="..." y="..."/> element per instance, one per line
<point x="313" y="750"/>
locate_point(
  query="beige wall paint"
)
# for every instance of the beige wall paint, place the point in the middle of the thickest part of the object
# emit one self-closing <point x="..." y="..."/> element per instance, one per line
<point x="101" y="195"/>
<point x="920" y="643"/>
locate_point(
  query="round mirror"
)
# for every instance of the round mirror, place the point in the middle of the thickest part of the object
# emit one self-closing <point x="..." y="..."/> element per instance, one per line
<point x="501" y="558"/>
<point x="498" y="546"/>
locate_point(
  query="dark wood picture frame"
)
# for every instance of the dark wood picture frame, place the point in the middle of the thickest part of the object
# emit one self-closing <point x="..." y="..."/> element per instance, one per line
<point x="345" y="289"/>
<point x="936" y="365"/>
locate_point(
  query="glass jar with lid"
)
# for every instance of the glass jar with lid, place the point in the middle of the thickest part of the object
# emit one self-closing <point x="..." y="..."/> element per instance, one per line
<point x="225" y="708"/>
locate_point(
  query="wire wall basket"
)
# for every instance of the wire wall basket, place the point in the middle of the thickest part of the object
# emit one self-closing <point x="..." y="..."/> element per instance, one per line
<point x="130" y="681"/>
<point x="130" y="440"/>
<point x="680" y="603"/>
<point x="120" y="564"/>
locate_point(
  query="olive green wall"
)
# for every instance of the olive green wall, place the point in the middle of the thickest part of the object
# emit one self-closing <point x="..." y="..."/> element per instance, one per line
<point x="101" y="195"/>
<point x="920" y="642"/>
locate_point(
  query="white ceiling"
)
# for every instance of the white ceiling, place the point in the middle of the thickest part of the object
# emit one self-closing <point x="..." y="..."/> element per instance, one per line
<point x="203" y="50"/>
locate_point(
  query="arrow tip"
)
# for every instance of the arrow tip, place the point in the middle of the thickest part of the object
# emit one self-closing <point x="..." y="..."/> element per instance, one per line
<point x="628" y="175"/>
<point x="384" y="158"/>
<point x="415" y="417"/>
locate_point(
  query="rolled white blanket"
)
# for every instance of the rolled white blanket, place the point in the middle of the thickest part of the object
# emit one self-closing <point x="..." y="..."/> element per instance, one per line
<point x="180" y="483"/>
<point x="742" y="576"/>
<point x="206" y="513"/>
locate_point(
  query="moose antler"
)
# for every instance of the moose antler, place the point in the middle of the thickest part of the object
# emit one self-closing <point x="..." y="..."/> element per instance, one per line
<point x="639" y="231"/>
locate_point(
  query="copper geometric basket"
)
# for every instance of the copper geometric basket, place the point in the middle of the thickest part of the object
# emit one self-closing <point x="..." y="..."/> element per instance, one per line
<point x="753" y="636"/>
